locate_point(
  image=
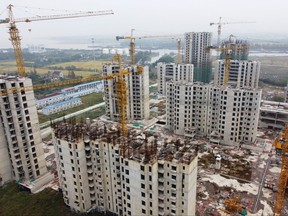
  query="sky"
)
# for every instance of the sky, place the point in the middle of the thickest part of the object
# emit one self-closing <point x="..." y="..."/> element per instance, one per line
<point x="148" y="17"/>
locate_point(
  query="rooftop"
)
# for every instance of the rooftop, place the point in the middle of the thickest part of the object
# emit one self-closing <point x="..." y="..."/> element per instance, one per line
<point x="62" y="103"/>
<point x="140" y="145"/>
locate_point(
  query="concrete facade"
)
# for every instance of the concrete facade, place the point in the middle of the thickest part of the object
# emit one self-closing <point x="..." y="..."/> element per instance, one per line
<point x="242" y="74"/>
<point x="239" y="49"/>
<point x="195" y="52"/>
<point x="137" y="91"/>
<point x="97" y="172"/>
<point x="172" y="71"/>
<point x="225" y="115"/>
<point x="21" y="150"/>
<point x="273" y="115"/>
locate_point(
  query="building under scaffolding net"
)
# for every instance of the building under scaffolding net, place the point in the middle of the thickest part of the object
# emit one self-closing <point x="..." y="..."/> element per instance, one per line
<point x="239" y="49"/>
<point x="110" y="164"/>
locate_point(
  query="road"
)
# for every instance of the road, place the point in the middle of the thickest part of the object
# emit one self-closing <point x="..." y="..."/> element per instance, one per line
<point x="45" y="124"/>
<point x="261" y="185"/>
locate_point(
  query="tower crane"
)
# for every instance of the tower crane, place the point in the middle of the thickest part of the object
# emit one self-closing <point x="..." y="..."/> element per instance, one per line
<point x="219" y="30"/>
<point x="120" y="87"/>
<point x="132" y="43"/>
<point x="15" y="36"/>
<point x="228" y="55"/>
<point x="282" y="142"/>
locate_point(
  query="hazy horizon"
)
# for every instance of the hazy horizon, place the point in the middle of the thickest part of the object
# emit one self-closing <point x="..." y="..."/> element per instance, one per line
<point x="148" y="18"/>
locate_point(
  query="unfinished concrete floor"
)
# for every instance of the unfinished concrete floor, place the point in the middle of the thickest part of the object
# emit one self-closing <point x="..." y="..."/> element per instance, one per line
<point x="249" y="173"/>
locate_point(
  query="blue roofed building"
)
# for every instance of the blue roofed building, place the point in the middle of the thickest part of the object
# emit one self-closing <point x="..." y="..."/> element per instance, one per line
<point x="61" y="106"/>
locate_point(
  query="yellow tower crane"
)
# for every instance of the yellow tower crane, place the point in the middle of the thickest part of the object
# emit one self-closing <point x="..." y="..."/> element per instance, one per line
<point x="132" y="43"/>
<point x="15" y="36"/>
<point x="120" y="86"/>
<point x="281" y="142"/>
<point x="228" y="54"/>
<point x="219" y="30"/>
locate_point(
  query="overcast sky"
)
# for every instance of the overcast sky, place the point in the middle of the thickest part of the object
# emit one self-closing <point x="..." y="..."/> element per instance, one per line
<point x="148" y="17"/>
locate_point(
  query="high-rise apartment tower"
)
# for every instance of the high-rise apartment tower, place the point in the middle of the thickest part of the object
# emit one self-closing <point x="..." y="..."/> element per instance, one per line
<point x="21" y="147"/>
<point x="172" y="71"/>
<point x="137" y="91"/>
<point x="196" y="53"/>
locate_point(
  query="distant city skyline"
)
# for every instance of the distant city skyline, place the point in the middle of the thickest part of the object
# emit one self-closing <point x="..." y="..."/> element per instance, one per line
<point x="148" y="18"/>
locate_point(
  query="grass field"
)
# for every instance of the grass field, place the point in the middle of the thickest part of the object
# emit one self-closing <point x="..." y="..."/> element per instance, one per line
<point x="14" y="202"/>
<point x="10" y="66"/>
<point x="87" y="100"/>
<point x="89" y="65"/>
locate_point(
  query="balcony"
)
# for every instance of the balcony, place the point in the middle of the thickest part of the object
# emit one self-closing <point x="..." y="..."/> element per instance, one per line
<point x="90" y="170"/>
<point x="161" y="203"/>
<point x="161" y="179"/>
<point x="161" y="211"/>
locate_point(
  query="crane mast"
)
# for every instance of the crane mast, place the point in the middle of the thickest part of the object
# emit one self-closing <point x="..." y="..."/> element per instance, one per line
<point x="132" y="43"/>
<point x="15" y="36"/>
<point x="282" y="139"/>
<point x="15" y="40"/>
<point x="219" y="30"/>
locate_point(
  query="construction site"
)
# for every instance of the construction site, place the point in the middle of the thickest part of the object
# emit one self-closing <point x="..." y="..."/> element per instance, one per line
<point x="197" y="146"/>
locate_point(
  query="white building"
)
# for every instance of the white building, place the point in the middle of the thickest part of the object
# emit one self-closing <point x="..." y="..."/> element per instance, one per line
<point x="172" y="71"/>
<point x="226" y="115"/>
<point x="273" y="115"/>
<point x="242" y="74"/>
<point x="195" y="52"/>
<point x="61" y="106"/>
<point x="71" y="92"/>
<point x="137" y="91"/>
<point x="21" y="147"/>
<point x="141" y="176"/>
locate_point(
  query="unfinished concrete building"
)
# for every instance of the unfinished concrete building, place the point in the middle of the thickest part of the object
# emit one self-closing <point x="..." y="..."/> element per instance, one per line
<point x="195" y="52"/>
<point x="137" y="91"/>
<point x="21" y="149"/>
<point x="273" y="115"/>
<point x="140" y="175"/>
<point x="239" y="49"/>
<point x="242" y="74"/>
<point x="225" y="115"/>
<point x="172" y="71"/>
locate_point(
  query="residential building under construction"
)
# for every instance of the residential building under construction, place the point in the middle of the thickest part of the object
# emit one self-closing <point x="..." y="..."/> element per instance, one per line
<point x="21" y="150"/>
<point x="172" y="71"/>
<point x="223" y="114"/>
<point x="195" y="52"/>
<point x="143" y="174"/>
<point x="137" y="88"/>
<point x="242" y="73"/>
